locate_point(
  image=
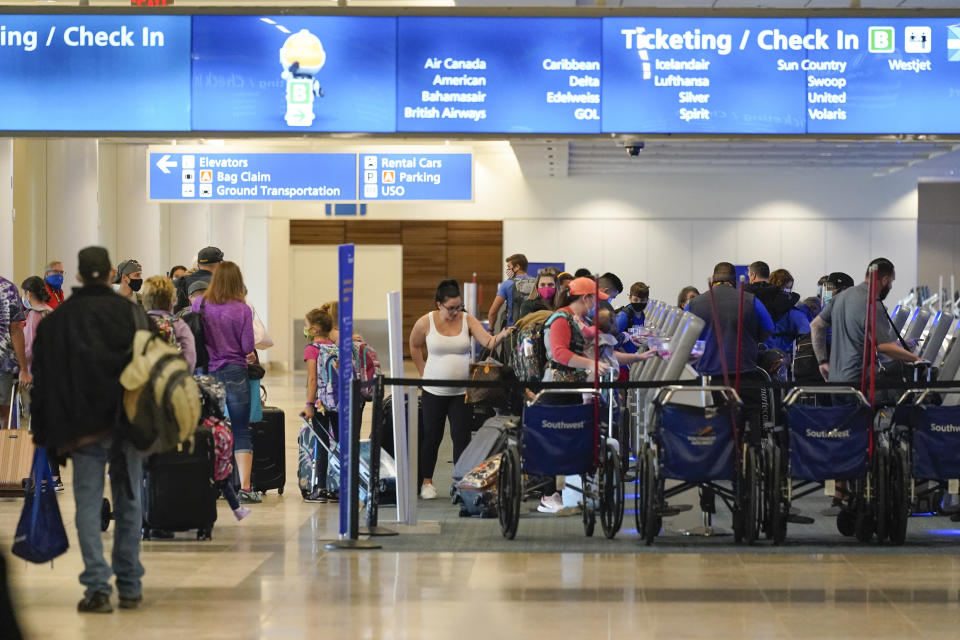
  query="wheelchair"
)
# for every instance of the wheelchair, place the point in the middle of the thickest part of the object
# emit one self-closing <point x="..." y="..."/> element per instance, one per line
<point x="562" y="440"/>
<point x="701" y="447"/>
<point x="826" y="444"/>
<point x="924" y="459"/>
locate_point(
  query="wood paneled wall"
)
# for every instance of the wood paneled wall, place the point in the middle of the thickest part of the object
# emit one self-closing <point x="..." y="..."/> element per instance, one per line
<point x="432" y="251"/>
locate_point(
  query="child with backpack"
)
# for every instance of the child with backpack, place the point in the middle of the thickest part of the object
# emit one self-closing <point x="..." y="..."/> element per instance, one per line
<point x="323" y="361"/>
<point x="159" y="295"/>
<point x="223" y="463"/>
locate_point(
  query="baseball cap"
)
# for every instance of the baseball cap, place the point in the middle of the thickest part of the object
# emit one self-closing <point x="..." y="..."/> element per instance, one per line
<point x="93" y="263"/>
<point x="209" y="255"/>
<point x="197" y="285"/>
<point x="584" y="287"/>
<point x="125" y="268"/>
<point x="840" y="280"/>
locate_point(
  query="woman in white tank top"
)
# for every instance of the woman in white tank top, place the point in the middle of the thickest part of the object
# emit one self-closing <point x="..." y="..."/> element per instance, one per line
<point x="440" y="347"/>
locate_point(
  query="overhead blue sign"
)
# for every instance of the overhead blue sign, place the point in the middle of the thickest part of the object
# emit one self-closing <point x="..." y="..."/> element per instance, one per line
<point x="294" y="73"/>
<point x="504" y="75"/>
<point x="94" y="73"/>
<point x="416" y="176"/>
<point x="703" y="75"/>
<point x="253" y="176"/>
<point x="885" y="75"/>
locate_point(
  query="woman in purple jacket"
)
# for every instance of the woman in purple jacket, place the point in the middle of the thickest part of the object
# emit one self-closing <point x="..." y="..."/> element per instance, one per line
<point x="228" y="323"/>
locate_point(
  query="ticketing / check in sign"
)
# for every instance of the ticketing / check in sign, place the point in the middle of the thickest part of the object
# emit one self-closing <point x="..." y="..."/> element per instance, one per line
<point x="253" y="176"/>
<point x="416" y="176"/>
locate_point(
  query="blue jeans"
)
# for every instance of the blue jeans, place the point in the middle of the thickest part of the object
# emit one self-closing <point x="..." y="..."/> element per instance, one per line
<point x="234" y="378"/>
<point x="89" y="465"/>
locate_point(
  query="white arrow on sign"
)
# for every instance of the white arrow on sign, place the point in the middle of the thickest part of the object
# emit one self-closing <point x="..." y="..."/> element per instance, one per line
<point x="165" y="163"/>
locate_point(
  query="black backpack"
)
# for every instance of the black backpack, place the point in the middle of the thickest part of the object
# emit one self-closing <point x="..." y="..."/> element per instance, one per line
<point x="194" y="320"/>
<point x="631" y="315"/>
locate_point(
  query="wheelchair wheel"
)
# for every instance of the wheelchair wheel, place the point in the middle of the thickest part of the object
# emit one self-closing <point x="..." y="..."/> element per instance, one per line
<point x="864" y="526"/>
<point x="881" y="492"/>
<point x="651" y="521"/>
<point x="638" y="514"/>
<point x="898" y="496"/>
<point x="779" y="502"/>
<point x="509" y="492"/>
<point x="589" y="507"/>
<point x="751" y="494"/>
<point x="611" y="492"/>
<point x="846" y="523"/>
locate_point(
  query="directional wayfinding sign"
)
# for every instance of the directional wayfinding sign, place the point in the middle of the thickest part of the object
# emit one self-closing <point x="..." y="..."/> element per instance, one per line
<point x="253" y="176"/>
<point x="333" y="177"/>
<point x="416" y="176"/>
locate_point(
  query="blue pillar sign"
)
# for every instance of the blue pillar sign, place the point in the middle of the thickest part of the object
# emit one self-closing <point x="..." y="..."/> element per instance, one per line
<point x="253" y="176"/>
<point x="345" y="344"/>
<point x="416" y="176"/>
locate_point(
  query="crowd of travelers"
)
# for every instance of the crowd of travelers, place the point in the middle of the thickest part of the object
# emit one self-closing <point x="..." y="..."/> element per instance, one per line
<point x="781" y="336"/>
<point x="66" y="354"/>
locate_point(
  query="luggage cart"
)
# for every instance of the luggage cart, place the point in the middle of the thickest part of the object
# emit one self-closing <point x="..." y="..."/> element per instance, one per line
<point x="924" y="461"/>
<point x="827" y="444"/>
<point x="562" y="440"/>
<point x="701" y="447"/>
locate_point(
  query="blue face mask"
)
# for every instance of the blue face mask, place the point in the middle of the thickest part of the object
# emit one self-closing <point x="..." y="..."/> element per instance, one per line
<point x="26" y="303"/>
<point x="827" y="296"/>
<point x="55" y="280"/>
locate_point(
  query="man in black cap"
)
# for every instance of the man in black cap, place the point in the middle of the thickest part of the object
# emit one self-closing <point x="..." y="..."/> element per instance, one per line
<point x="208" y="260"/>
<point x="128" y="280"/>
<point x="78" y="355"/>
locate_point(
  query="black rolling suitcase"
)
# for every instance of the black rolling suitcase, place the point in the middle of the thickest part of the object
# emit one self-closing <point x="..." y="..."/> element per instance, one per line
<point x="179" y="492"/>
<point x="269" y="452"/>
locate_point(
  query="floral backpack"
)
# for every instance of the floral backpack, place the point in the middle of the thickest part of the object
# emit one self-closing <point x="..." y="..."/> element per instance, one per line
<point x="222" y="447"/>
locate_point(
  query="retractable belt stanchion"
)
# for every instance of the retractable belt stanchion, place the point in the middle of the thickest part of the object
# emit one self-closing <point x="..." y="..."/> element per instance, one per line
<point x="373" y="485"/>
<point x="348" y="400"/>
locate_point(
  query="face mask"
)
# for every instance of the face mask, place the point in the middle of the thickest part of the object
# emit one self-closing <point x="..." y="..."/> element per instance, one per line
<point x="509" y="274"/>
<point x="55" y="280"/>
<point x="885" y="291"/>
<point x="136" y="284"/>
<point x="26" y="303"/>
<point x="827" y="296"/>
<point x="116" y="288"/>
<point x="546" y="292"/>
<point x="638" y="306"/>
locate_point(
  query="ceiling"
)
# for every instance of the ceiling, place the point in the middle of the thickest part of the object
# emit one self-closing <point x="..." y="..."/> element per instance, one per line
<point x="561" y="158"/>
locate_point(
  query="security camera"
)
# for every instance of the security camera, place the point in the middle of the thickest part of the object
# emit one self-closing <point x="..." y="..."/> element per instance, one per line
<point x="634" y="149"/>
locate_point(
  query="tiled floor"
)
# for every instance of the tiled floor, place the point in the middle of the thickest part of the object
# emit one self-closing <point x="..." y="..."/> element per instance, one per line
<point x="269" y="577"/>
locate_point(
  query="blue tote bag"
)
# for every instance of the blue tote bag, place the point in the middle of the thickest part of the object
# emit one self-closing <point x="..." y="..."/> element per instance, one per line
<point x="40" y="534"/>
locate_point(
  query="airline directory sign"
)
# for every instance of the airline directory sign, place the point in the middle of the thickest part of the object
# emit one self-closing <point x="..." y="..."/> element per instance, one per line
<point x="884" y="76"/>
<point x="702" y="75"/>
<point x="94" y="73"/>
<point x="294" y="73"/>
<point x="300" y="74"/>
<point x="489" y="75"/>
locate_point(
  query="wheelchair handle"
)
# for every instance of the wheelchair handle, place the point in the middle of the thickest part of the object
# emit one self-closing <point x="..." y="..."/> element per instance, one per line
<point x="668" y="391"/>
<point x="536" y="398"/>
<point x="795" y="393"/>
<point x="924" y="393"/>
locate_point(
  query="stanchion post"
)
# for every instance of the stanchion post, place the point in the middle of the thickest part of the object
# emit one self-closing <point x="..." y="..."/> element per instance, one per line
<point x="373" y="488"/>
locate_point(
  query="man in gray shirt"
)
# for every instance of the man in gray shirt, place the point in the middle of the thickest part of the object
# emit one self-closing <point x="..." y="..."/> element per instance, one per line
<point x="847" y="314"/>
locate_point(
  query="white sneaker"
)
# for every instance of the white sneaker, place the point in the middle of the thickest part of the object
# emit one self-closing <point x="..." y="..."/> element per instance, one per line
<point x="550" y="504"/>
<point x="428" y="492"/>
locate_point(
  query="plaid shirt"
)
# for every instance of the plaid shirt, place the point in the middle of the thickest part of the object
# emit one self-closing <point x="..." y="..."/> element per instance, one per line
<point x="11" y="310"/>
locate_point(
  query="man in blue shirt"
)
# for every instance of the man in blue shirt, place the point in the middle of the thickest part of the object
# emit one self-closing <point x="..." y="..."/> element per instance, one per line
<point x="516" y="270"/>
<point x="717" y="358"/>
